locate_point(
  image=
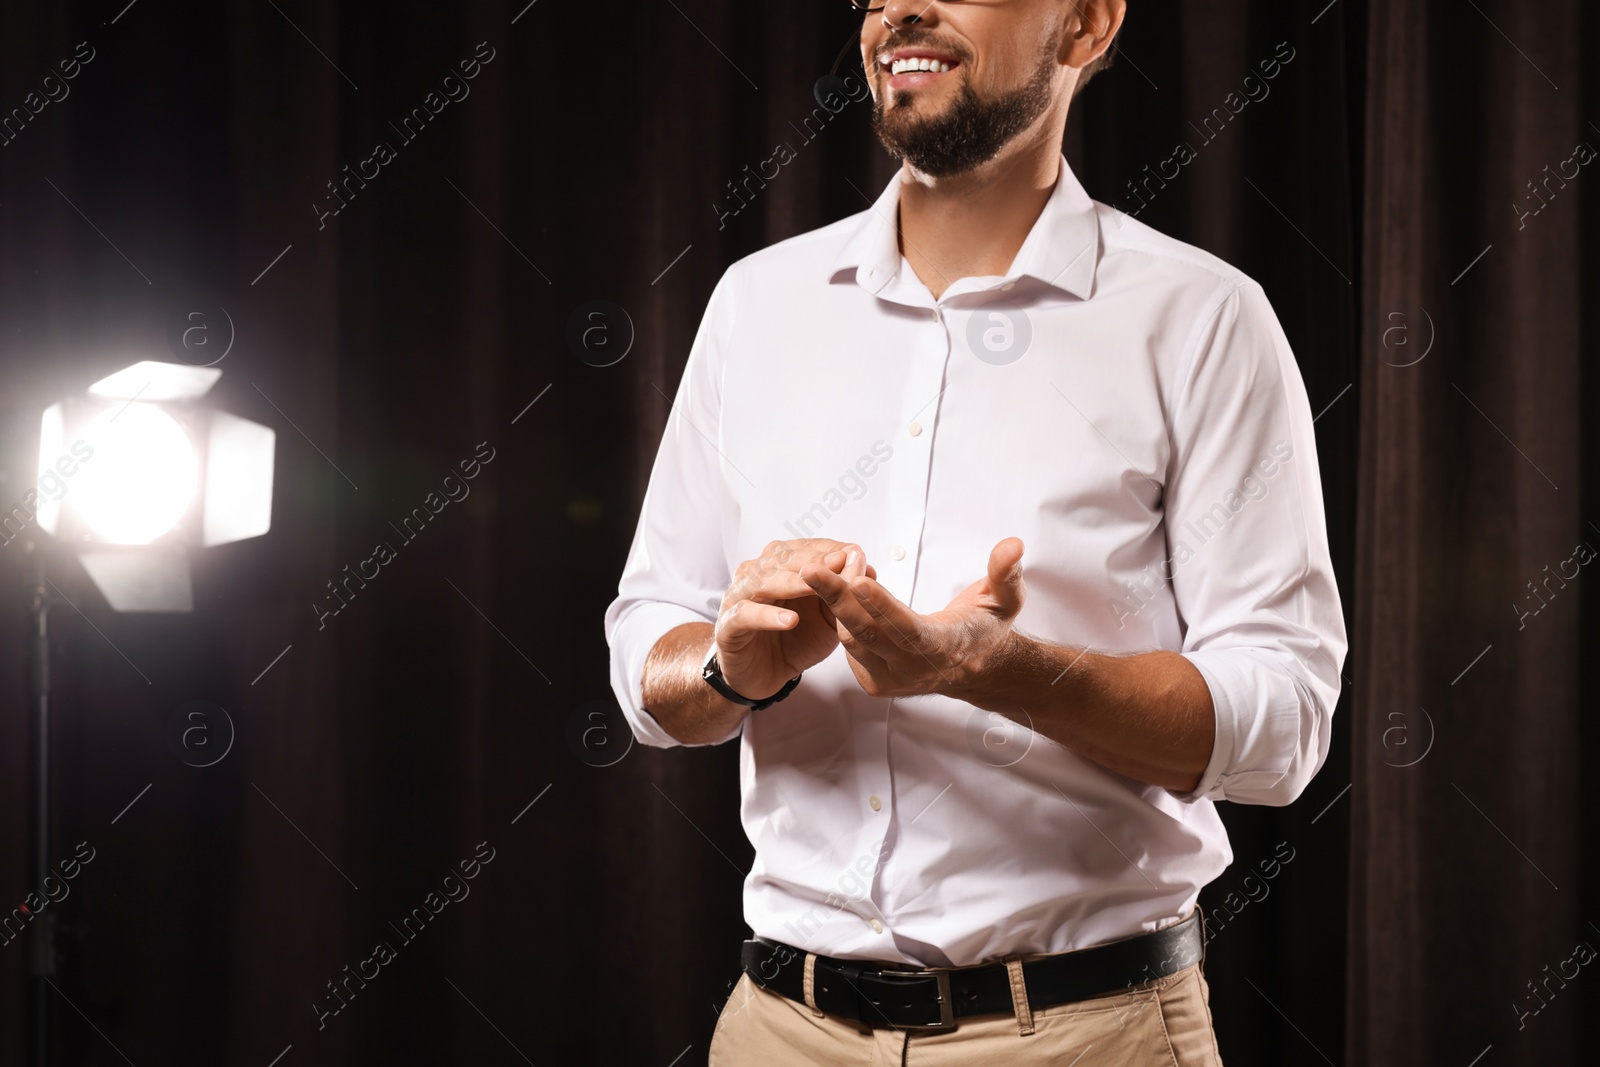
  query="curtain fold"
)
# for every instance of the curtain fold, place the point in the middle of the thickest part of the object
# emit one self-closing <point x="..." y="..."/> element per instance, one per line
<point x="1467" y="808"/>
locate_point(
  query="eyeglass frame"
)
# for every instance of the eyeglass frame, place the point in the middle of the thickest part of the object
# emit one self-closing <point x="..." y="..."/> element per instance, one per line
<point x="854" y="6"/>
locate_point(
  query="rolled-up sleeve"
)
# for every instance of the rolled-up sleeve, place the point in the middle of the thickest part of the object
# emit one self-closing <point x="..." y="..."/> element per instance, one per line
<point x="677" y="569"/>
<point x="1251" y="572"/>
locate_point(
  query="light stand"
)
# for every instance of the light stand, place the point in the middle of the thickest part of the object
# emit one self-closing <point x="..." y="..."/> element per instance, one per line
<point x="42" y="929"/>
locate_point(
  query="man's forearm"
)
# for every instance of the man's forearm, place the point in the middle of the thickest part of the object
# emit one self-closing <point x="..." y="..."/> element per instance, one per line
<point x="676" y="695"/>
<point x="1148" y="716"/>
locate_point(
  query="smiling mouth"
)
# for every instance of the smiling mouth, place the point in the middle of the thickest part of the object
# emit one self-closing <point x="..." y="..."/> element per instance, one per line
<point x="911" y="71"/>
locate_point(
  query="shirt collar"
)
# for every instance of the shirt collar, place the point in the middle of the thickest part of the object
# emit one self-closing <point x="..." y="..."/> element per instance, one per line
<point x="1061" y="249"/>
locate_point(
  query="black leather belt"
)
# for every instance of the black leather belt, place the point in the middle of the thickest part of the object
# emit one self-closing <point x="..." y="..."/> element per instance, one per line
<point x="886" y="995"/>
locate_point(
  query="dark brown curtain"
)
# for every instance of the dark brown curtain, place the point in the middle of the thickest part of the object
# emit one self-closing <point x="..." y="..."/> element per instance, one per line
<point x="1477" y="475"/>
<point x="468" y="681"/>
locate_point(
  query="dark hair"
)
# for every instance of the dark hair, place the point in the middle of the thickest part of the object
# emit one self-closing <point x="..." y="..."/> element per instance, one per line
<point x="1096" y="65"/>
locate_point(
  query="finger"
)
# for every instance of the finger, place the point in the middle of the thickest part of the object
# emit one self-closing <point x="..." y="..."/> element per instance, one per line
<point x="791" y="557"/>
<point x="891" y="619"/>
<point x="745" y="619"/>
<point x="855" y="567"/>
<point x="775" y="571"/>
<point x="832" y="557"/>
<point x="867" y="610"/>
<point x="874" y="663"/>
<point x="836" y="560"/>
<point x="770" y="588"/>
<point x="823" y="580"/>
<point x="1005" y="574"/>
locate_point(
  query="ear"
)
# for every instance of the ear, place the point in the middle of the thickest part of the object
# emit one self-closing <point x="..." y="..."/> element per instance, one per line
<point x="1090" y="27"/>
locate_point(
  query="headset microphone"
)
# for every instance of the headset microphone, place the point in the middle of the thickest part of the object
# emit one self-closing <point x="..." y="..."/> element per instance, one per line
<point x="830" y="84"/>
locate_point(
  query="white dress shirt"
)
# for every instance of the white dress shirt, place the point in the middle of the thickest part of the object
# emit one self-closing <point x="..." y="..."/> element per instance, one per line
<point x="1126" y="404"/>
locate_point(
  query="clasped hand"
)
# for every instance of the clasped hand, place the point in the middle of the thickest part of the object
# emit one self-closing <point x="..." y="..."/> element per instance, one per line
<point x="790" y="607"/>
<point x="894" y="651"/>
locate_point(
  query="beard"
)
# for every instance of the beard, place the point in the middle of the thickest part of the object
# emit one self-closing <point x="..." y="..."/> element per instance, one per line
<point x="970" y="132"/>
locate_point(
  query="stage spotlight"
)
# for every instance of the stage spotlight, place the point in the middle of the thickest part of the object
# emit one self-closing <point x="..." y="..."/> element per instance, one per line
<point x="132" y="474"/>
<point x="136" y="471"/>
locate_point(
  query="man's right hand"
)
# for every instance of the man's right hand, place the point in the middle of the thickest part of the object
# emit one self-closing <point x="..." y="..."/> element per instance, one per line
<point x="772" y="625"/>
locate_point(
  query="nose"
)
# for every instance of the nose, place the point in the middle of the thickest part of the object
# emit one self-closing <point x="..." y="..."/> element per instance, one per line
<point x="898" y="13"/>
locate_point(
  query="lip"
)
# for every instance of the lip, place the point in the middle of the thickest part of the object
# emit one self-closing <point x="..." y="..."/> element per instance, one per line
<point x="911" y="79"/>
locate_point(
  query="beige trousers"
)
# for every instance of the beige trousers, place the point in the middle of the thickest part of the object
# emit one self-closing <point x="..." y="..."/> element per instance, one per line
<point x="1166" y="1022"/>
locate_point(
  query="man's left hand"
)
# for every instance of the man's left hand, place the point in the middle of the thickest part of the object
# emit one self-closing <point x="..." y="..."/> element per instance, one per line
<point x="896" y="652"/>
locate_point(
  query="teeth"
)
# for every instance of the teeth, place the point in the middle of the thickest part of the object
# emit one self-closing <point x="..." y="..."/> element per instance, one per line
<point x="901" y="66"/>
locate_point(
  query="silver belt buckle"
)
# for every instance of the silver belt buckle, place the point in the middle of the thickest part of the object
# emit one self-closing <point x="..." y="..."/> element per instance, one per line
<point x="946" y="1006"/>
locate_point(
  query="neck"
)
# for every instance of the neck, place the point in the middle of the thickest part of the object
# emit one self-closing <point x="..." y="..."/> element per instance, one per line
<point x="973" y="224"/>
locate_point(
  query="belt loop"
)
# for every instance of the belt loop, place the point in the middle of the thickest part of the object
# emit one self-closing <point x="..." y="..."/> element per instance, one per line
<point x="809" y="984"/>
<point x="1019" y="996"/>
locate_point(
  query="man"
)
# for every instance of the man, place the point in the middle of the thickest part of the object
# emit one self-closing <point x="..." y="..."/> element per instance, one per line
<point x="983" y="809"/>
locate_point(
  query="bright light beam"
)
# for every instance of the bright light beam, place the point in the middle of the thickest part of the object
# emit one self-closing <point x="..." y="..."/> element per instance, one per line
<point x="143" y="476"/>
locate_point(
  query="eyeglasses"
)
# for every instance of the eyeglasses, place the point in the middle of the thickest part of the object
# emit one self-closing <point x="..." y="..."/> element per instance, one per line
<point x="867" y="5"/>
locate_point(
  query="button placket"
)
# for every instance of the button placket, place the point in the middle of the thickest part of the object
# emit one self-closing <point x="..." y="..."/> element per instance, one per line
<point x="908" y="486"/>
<point x="895" y="554"/>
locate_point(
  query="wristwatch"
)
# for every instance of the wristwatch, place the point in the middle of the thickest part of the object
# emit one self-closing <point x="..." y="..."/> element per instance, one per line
<point x="712" y="673"/>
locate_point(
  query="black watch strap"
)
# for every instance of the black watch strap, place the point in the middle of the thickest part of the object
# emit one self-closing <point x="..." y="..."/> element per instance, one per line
<point x="712" y="673"/>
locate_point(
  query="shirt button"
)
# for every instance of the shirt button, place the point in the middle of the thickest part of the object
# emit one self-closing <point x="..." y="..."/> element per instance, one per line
<point x="876" y="802"/>
<point x="935" y="314"/>
<point x="877" y="927"/>
<point x="1008" y="285"/>
<point x="897" y="552"/>
<point x="915" y="429"/>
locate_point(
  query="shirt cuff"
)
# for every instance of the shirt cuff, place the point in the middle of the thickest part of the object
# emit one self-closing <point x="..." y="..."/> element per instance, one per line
<point x="1258" y="713"/>
<point x="635" y="635"/>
